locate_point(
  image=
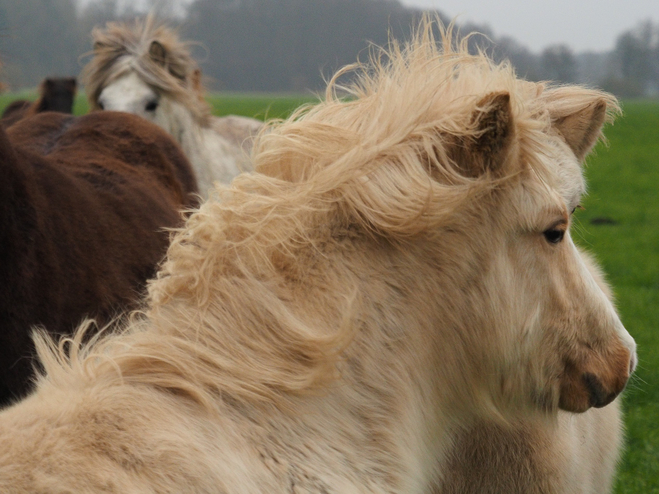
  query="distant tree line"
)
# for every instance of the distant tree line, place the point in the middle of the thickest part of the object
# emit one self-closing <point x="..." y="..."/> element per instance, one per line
<point x="289" y="45"/>
<point x="294" y="45"/>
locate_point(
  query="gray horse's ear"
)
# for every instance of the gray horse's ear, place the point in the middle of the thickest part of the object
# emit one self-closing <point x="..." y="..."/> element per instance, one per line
<point x="158" y="53"/>
<point x="486" y="150"/>
<point x="582" y="129"/>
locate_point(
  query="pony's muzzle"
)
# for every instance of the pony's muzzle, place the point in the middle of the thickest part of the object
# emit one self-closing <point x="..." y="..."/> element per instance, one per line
<point x="596" y="380"/>
<point x="599" y="396"/>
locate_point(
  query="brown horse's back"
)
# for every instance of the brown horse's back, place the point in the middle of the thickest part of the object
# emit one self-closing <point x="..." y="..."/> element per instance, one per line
<point x="15" y="111"/>
<point x="83" y="207"/>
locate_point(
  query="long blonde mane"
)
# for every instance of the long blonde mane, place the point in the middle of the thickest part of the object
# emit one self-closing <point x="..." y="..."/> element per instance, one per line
<point x="375" y="165"/>
<point x="121" y="47"/>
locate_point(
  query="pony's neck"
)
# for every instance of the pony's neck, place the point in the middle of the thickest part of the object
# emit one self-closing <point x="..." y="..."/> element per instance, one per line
<point x="181" y="124"/>
<point x="389" y="369"/>
<point x="14" y="188"/>
<point x="18" y="219"/>
<point x="271" y="342"/>
<point x="192" y="135"/>
<point x="389" y="387"/>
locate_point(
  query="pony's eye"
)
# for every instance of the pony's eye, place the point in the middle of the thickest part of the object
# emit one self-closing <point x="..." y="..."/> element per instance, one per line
<point x="151" y="106"/>
<point x="554" y="236"/>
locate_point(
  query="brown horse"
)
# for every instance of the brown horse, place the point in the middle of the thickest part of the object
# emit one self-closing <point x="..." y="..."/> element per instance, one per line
<point x="83" y="203"/>
<point x="55" y="94"/>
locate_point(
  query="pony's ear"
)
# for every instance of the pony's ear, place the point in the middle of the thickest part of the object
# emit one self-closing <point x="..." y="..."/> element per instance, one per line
<point x="582" y="129"/>
<point x="158" y="53"/>
<point x="485" y="151"/>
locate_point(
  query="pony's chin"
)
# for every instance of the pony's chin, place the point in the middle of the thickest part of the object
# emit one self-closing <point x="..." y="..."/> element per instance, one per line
<point x="594" y="380"/>
<point x="589" y="392"/>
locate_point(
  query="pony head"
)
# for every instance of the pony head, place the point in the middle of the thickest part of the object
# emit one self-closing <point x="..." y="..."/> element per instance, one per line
<point x="477" y="173"/>
<point x="143" y="68"/>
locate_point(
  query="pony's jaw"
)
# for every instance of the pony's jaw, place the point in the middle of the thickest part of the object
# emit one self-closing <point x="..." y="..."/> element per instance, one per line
<point x="569" y="310"/>
<point x="566" y="351"/>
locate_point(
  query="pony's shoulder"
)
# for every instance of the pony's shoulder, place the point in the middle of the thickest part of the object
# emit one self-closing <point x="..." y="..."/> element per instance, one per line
<point x="238" y="130"/>
<point x="100" y="141"/>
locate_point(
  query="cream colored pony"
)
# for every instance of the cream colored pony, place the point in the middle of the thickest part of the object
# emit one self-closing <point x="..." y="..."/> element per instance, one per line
<point x="400" y="270"/>
<point x="143" y="68"/>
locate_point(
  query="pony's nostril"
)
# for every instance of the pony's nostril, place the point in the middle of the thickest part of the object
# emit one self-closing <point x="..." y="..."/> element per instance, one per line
<point x="598" y="395"/>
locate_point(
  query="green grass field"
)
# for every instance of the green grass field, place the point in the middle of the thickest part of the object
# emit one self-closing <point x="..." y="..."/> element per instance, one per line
<point x="261" y="106"/>
<point x="620" y="225"/>
<point x="624" y="187"/>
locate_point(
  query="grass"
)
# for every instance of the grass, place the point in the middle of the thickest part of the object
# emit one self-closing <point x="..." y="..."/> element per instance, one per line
<point x="624" y="202"/>
<point x="261" y="106"/>
<point x="624" y="186"/>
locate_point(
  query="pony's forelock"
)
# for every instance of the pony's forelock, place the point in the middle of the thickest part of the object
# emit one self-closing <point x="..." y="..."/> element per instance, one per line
<point x="382" y="140"/>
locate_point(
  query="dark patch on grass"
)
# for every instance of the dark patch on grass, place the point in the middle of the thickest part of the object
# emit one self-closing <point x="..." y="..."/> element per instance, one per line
<point x="603" y="220"/>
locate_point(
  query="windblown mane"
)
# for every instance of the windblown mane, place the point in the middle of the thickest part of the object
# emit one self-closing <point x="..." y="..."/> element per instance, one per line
<point x="381" y="163"/>
<point x="121" y="47"/>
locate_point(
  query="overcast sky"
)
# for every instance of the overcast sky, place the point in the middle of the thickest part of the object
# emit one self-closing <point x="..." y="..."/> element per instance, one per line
<point x="582" y="24"/>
